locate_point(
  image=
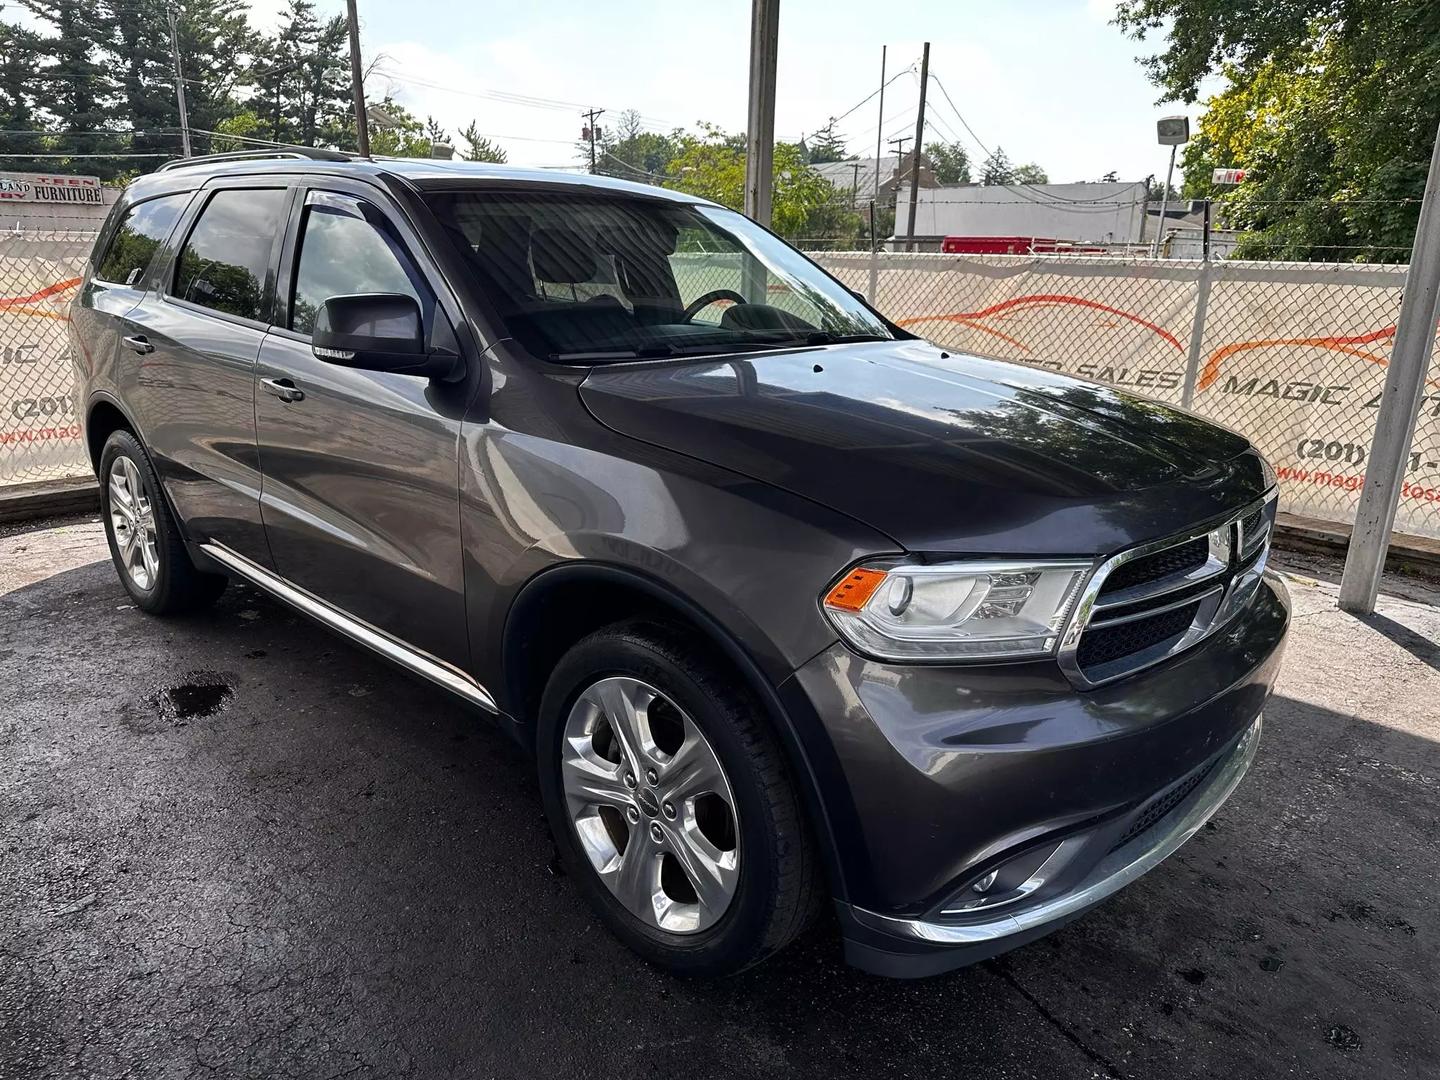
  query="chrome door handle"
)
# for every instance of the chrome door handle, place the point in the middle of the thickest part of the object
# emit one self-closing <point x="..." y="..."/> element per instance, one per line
<point x="284" y="389"/>
<point x="137" y="343"/>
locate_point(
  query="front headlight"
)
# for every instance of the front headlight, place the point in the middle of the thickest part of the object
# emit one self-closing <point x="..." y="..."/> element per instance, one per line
<point x="955" y="611"/>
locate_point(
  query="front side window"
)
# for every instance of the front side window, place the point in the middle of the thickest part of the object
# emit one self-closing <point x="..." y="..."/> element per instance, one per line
<point x="582" y="277"/>
<point x="346" y="249"/>
<point x="141" y="232"/>
<point x="223" y="263"/>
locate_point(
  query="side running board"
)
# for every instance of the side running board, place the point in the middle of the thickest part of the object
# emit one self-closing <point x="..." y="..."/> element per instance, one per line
<point x="393" y="649"/>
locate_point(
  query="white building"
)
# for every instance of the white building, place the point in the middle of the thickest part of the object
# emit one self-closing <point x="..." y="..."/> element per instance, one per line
<point x="1078" y="213"/>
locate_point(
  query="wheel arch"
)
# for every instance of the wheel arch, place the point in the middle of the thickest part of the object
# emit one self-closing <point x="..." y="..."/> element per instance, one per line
<point x="104" y="415"/>
<point x="608" y="594"/>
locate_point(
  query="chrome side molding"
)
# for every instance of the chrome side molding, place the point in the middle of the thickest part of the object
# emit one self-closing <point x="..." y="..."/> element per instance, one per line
<point x="357" y="630"/>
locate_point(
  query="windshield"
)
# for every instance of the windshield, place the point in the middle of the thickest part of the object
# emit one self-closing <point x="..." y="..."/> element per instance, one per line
<point x="588" y="278"/>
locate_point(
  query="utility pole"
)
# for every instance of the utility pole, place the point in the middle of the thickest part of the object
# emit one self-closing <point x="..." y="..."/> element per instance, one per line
<point x="1400" y="403"/>
<point x="357" y="82"/>
<point x="875" y="194"/>
<point x="880" y="129"/>
<point x="179" y="84"/>
<point x="591" y="115"/>
<point x="760" y="119"/>
<point x="919" y="138"/>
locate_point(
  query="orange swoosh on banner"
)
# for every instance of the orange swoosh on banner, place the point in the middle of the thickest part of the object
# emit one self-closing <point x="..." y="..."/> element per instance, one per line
<point x="45" y="293"/>
<point x="1347" y="345"/>
<point x="967" y="318"/>
<point x="40" y="313"/>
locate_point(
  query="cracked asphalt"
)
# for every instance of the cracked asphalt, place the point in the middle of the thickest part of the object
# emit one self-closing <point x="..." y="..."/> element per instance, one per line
<point x="233" y="845"/>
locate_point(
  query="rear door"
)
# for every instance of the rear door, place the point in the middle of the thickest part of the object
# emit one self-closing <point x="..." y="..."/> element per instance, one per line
<point x="198" y="336"/>
<point x="360" y="494"/>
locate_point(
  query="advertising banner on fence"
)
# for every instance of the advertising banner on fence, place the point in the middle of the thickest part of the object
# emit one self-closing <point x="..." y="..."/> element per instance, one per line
<point x="39" y="436"/>
<point x="1292" y="355"/>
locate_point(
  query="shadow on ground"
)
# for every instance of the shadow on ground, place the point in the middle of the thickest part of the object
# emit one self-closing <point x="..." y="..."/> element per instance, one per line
<point x="233" y="845"/>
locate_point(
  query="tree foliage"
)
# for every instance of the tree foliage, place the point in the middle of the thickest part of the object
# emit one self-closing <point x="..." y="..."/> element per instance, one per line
<point x="480" y="148"/>
<point x="1030" y="173"/>
<point x="826" y="146"/>
<point x="1331" y="108"/>
<point x="951" y="162"/>
<point x="997" y="169"/>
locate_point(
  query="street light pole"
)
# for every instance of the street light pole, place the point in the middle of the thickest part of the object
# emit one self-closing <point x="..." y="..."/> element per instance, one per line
<point x="357" y="81"/>
<point x="1164" y="204"/>
<point x="1400" y="403"/>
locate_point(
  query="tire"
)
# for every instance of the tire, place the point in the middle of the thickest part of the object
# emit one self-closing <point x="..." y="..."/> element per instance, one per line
<point x="765" y="885"/>
<point x="145" y="542"/>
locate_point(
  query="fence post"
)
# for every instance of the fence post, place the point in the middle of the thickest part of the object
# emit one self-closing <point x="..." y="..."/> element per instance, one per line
<point x="874" y="253"/>
<point x="1399" y="407"/>
<point x="1197" y="336"/>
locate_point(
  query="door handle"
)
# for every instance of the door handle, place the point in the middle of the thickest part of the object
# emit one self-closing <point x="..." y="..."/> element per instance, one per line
<point x="137" y="343"/>
<point x="284" y="389"/>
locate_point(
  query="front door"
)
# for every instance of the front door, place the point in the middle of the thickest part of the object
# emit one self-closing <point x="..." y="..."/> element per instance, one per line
<point x="360" y="479"/>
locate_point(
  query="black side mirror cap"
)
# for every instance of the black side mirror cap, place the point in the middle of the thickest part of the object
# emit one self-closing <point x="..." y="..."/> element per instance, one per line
<point x="379" y="332"/>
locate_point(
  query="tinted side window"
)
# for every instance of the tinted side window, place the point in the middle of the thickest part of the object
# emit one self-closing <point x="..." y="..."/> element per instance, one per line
<point x="223" y="263"/>
<point x="344" y="250"/>
<point x="142" y="230"/>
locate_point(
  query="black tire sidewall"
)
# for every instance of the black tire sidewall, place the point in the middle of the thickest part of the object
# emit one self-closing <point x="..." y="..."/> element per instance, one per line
<point x="737" y="939"/>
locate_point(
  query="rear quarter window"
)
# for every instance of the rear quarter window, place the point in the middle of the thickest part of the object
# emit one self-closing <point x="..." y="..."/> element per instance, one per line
<point x="141" y="231"/>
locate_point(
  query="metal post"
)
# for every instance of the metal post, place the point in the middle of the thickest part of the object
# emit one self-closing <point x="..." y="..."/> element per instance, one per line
<point x="179" y="84"/>
<point x="357" y="82"/>
<point x="875" y="193"/>
<point x="1197" y="336"/>
<point x="919" y="137"/>
<point x="1399" y="407"/>
<point x="1164" y="204"/>
<point x="1205" y="233"/>
<point x="760" y="124"/>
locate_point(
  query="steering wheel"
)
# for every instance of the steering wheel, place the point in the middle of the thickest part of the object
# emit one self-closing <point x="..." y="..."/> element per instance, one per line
<point x="700" y="303"/>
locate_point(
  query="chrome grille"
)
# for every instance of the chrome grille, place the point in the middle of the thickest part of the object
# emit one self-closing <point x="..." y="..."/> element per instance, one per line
<point x="1149" y="603"/>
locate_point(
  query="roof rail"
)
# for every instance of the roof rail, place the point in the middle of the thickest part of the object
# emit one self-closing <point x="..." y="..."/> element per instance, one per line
<point x="288" y="153"/>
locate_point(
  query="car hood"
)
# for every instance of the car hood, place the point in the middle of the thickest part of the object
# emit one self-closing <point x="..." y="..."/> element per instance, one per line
<point x="941" y="452"/>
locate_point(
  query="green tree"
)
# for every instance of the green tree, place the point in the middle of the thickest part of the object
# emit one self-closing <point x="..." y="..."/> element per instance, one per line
<point x="826" y="146"/>
<point x="20" y="94"/>
<point x="712" y="165"/>
<point x="480" y="148"/>
<point x="395" y="131"/>
<point x="1030" y="173"/>
<point x="997" y="169"/>
<point x="1331" y="109"/>
<point x="951" y="162"/>
<point x="301" y="77"/>
<point x="629" y="151"/>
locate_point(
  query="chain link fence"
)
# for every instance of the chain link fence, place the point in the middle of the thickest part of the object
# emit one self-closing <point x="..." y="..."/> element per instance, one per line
<point x="39" y="433"/>
<point x="1292" y="355"/>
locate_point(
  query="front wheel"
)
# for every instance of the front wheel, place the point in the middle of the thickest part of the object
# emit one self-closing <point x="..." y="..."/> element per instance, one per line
<point x="670" y="803"/>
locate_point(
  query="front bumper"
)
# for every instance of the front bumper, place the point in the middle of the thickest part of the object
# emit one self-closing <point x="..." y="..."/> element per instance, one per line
<point x="930" y="777"/>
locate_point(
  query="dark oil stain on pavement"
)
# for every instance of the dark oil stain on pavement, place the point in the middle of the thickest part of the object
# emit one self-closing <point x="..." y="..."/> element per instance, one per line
<point x="199" y="694"/>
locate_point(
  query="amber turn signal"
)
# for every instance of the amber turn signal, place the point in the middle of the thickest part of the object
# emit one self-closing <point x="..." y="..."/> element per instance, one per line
<point x="856" y="587"/>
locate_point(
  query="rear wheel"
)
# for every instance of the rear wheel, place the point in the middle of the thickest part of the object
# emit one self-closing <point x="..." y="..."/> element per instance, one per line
<point x="145" y="543"/>
<point x="670" y="802"/>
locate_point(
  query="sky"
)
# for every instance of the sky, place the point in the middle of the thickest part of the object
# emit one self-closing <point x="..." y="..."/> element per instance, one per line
<point x="1050" y="81"/>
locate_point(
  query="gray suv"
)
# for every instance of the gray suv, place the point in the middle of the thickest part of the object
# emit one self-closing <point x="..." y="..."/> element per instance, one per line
<point x="796" y="612"/>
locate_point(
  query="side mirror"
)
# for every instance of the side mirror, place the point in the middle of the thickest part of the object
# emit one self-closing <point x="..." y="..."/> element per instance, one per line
<point x="378" y="332"/>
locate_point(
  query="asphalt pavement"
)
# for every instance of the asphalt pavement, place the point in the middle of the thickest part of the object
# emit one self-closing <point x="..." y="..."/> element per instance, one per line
<point x="233" y="845"/>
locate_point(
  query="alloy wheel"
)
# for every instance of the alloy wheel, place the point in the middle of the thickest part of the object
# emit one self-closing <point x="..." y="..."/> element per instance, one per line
<point x="651" y="805"/>
<point x="132" y="519"/>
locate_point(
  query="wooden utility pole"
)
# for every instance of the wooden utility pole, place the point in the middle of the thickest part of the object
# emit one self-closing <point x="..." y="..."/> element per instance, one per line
<point x="919" y="139"/>
<point x="179" y="84"/>
<point x="357" y="81"/>
<point x="760" y="119"/>
<point x="591" y="115"/>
